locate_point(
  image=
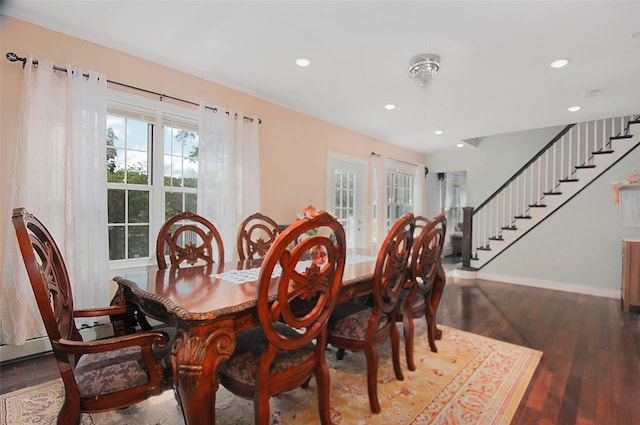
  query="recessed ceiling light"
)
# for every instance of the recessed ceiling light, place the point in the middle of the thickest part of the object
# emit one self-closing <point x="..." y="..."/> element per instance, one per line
<point x="303" y="62"/>
<point x="460" y="145"/>
<point x="559" y="63"/>
<point x="438" y="132"/>
<point x="575" y="108"/>
<point x="389" y="106"/>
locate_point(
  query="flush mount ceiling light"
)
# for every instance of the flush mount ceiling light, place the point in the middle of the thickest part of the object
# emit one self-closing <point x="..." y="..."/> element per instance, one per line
<point x="575" y="108"/>
<point x="560" y="63"/>
<point x="389" y="106"/>
<point x="423" y="68"/>
<point x="303" y="62"/>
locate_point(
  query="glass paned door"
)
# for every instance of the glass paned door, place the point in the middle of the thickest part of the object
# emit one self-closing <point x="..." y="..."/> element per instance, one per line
<point x="346" y="198"/>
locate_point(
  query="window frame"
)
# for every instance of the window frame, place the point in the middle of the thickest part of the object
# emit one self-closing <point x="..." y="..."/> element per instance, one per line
<point x="159" y="114"/>
<point x="396" y="170"/>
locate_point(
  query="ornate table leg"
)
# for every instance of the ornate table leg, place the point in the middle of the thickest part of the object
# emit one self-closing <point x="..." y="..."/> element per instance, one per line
<point x="441" y="280"/>
<point x="196" y="354"/>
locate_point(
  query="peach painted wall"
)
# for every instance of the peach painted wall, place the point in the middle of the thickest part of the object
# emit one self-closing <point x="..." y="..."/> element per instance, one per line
<point x="293" y="146"/>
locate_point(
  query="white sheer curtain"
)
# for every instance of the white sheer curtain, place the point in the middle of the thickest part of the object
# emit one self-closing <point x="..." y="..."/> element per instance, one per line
<point x="418" y="191"/>
<point x="59" y="176"/>
<point x="379" y="173"/>
<point x="228" y="171"/>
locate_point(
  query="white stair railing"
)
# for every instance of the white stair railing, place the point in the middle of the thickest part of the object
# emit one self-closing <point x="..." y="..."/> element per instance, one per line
<point x="540" y="178"/>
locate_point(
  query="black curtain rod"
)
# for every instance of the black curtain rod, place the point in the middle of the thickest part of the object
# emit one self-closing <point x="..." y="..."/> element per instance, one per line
<point x="396" y="160"/>
<point x="12" y="57"/>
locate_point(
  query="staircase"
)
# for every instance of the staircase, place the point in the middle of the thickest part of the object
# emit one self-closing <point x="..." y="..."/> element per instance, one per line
<point x="577" y="156"/>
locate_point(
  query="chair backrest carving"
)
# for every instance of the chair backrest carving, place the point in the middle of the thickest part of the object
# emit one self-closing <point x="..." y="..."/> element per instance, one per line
<point x="307" y="289"/>
<point x="255" y="236"/>
<point x="48" y="276"/>
<point x="391" y="266"/>
<point x="426" y="256"/>
<point x="188" y="238"/>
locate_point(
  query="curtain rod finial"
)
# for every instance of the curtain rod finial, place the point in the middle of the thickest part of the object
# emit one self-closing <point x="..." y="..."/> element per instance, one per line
<point x="12" y="57"/>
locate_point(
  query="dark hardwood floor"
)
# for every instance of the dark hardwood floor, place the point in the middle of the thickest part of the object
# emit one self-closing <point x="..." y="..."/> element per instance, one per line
<point x="589" y="373"/>
<point x="590" y="368"/>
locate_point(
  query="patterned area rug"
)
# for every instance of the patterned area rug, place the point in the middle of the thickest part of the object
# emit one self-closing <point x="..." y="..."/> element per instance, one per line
<point x="472" y="379"/>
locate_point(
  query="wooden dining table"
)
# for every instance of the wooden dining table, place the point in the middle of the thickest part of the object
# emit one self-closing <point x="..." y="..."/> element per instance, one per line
<point x="208" y="306"/>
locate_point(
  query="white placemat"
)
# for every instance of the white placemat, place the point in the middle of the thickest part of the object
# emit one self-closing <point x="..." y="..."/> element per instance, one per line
<point x="251" y="275"/>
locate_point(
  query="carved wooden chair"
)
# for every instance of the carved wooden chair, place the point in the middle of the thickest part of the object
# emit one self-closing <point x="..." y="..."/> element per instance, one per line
<point x="99" y="375"/>
<point x="356" y="326"/>
<point x="188" y="238"/>
<point x="425" y="264"/>
<point x="255" y="236"/>
<point x="288" y="346"/>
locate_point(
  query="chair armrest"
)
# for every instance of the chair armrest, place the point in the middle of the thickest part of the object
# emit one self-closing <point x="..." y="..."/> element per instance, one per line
<point x="102" y="311"/>
<point x="144" y="340"/>
<point x="157" y="364"/>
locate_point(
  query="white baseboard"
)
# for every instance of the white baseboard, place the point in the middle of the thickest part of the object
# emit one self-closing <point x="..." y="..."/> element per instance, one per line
<point x="549" y="284"/>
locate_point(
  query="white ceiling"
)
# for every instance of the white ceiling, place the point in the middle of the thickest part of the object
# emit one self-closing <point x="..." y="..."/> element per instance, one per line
<point x="494" y="77"/>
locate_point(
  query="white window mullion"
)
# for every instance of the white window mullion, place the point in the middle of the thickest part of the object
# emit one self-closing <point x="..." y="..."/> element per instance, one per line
<point x="156" y="195"/>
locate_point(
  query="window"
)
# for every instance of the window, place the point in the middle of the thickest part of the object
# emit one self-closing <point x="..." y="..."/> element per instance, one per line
<point x="180" y="170"/>
<point x="394" y="186"/>
<point x="128" y="187"/>
<point x="399" y="195"/>
<point x="152" y="173"/>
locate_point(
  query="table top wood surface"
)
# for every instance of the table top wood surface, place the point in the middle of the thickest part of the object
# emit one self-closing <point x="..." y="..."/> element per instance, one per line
<point x="195" y="294"/>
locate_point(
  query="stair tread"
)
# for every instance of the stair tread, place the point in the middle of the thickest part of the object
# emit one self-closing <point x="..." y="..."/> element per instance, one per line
<point x="574" y="176"/>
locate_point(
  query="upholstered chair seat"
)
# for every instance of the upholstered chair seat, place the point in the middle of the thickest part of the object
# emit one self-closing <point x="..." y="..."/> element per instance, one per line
<point x="417" y="306"/>
<point x="351" y="319"/>
<point x="118" y="370"/>
<point x="111" y="371"/>
<point x="242" y="367"/>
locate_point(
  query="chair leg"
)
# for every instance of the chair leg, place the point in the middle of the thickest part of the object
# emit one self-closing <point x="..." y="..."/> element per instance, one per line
<point x="340" y="354"/>
<point x="371" y="354"/>
<point x="395" y="353"/>
<point x="441" y="279"/>
<point x="431" y="328"/>
<point x="69" y="415"/>
<point x="322" y="380"/>
<point x="408" y="329"/>
<point x="261" y="408"/>
<point x="305" y="384"/>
